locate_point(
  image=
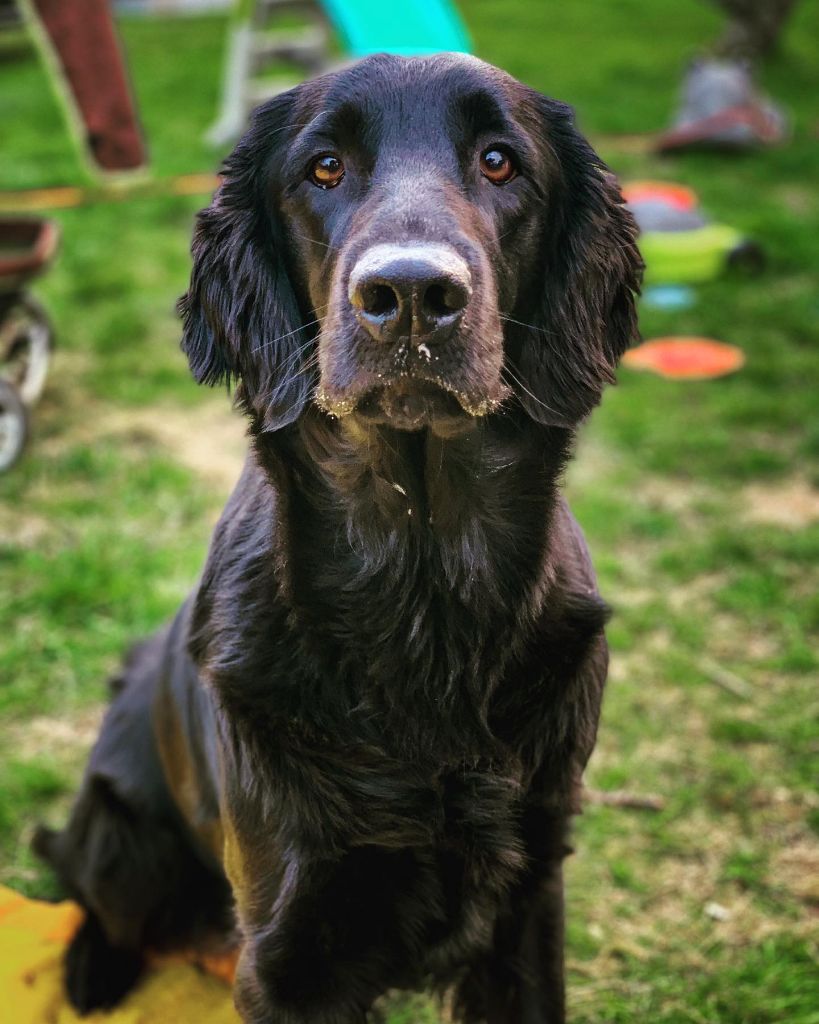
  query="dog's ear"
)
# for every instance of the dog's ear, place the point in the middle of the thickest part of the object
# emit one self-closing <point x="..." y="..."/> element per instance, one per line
<point x="240" y="314"/>
<point x="585" y="307"/>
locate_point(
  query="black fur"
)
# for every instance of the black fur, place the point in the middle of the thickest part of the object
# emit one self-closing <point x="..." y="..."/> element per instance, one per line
<point x="374" y="711"/>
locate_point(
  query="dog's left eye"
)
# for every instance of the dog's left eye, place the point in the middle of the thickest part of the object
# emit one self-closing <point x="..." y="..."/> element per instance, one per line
<point x="497" y="165"/>
<point x="326" y="171"/>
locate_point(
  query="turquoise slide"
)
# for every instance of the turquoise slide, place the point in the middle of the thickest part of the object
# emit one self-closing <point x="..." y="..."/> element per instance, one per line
<point x="406" y="27"/>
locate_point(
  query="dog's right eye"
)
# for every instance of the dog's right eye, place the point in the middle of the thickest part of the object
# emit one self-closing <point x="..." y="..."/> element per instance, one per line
<point x="326" y="171"/>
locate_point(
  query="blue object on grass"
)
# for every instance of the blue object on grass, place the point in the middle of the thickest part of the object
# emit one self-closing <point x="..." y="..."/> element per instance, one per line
<point x="669" y="296"/>
<point x="409" y="28"/>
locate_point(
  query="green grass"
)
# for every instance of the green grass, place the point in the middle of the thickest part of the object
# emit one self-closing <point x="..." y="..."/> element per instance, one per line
<point x="698" y="499"/>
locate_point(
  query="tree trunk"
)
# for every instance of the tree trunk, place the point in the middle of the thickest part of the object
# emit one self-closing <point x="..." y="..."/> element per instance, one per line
<point x="754" y="27"/>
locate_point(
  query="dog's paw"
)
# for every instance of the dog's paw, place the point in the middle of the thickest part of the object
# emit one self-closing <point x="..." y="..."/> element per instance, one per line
<point x="97" y="974"/>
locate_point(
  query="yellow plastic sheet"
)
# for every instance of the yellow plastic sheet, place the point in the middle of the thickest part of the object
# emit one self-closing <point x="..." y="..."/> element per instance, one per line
<point x="33" y="937"/>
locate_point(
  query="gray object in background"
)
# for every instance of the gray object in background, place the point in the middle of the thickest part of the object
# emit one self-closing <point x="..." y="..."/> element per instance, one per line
<point x="721" y="108"/>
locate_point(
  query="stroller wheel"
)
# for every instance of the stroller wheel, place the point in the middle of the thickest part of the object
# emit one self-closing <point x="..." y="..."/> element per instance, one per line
<point x="13" y="426"/>
<point x="26" y="341"/>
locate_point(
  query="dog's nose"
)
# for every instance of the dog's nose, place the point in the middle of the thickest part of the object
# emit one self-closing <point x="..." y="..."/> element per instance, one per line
<point x="416" y="291"/>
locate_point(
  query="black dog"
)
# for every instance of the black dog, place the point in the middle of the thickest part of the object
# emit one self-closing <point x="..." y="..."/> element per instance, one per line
<point x="373" y="713"/>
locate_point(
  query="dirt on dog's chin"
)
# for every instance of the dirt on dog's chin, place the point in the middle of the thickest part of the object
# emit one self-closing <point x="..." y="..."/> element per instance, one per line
<point x="413" y="405"/>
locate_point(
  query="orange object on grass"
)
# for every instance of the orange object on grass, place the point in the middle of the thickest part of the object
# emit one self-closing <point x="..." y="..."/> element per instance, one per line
<point x="686" y="358"/>
<point x="681" y="197"/>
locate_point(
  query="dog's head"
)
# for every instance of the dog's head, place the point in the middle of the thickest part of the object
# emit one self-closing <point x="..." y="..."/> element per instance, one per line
<point x="413" y="242"/>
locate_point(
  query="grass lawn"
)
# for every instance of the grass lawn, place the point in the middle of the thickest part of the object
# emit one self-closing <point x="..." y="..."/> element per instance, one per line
<point x="700" y="502"/>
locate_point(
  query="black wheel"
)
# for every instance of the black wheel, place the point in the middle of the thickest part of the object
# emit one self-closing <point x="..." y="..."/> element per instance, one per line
<point x="26" y="341"/>
<point x="13" y="426"/>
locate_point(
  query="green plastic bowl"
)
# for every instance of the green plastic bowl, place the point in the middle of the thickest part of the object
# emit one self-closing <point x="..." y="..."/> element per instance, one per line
<point x="688" y="257"/>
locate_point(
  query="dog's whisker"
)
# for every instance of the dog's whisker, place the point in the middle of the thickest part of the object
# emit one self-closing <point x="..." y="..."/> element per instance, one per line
<point x="516" y="380"/>
<point x="284" y="337"/>
<point x="303" y="347"/>
<point x="316" y="241"/>
<point x="310" y="365"/>
<point x="521" y="323"/>
<point x="293" y="358"/>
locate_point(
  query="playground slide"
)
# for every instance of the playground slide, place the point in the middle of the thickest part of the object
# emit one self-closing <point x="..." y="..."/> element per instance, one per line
<point x="410" y="28"/>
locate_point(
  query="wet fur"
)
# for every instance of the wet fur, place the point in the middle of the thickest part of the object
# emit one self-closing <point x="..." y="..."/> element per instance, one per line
<point x="362" y="737"/>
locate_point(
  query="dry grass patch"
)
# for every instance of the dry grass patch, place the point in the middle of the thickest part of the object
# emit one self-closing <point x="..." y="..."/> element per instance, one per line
<point x="792" y="503"/>
<point x="65" y="739"/>
<point x="209" y="439"/>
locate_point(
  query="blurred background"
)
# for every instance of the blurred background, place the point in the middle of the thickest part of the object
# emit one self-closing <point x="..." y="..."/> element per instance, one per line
<point x="694" y="892"/>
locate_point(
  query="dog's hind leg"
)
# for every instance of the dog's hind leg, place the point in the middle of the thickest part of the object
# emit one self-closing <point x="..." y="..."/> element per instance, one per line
<point x="142" y="886"/>
<point x="94" y="858"/>
<point x="97" y="974"/>
<point x="127" y="855"/>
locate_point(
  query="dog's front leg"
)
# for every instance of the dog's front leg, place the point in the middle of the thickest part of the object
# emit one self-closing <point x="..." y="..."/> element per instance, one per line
<point x="321" y="937"/>
<point x="536" y="946"/>
<point x="293" y="967"/>
<point x="263" y="995"/>
<point x="521" y="979"/>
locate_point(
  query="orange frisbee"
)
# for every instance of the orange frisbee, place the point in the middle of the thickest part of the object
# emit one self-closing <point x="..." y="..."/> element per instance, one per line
<point x="685" y="358"/>
<point x="680" y="197"/>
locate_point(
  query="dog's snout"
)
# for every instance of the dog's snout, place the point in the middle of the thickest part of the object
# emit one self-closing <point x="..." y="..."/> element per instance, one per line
<point x="417" y="291"/>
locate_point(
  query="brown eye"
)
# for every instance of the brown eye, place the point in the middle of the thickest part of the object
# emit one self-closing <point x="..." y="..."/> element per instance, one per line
<point x="326" y="171"/>
<point x="497" y="166"/>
